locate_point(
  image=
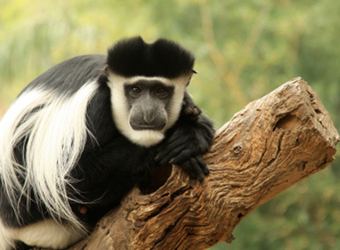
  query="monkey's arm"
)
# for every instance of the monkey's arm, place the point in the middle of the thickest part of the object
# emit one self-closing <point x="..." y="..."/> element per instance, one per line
<point x="112" y="170"/>
<point x="185" y="143"/>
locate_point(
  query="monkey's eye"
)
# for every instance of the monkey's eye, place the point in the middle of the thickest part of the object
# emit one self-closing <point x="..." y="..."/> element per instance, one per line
<point x="136" y="90"/>
<point x="162" y="92"/>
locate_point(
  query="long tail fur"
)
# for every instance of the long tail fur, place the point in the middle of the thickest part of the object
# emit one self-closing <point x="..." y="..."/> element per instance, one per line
<point x="53" y="126"/>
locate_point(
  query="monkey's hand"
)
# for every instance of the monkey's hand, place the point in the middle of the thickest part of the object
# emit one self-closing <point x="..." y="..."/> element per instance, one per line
<point x="189" y="108"/>
<point x="185" y="145"/>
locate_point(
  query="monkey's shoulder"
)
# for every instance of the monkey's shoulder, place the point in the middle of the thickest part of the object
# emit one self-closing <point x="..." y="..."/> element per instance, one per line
<point x="70" y="75"/>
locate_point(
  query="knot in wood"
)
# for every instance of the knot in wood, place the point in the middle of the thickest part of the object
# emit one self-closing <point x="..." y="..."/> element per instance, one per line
<point x="237" y="149"/>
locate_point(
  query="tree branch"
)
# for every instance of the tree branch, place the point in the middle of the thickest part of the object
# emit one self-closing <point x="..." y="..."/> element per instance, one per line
<point x="264" y="149"/>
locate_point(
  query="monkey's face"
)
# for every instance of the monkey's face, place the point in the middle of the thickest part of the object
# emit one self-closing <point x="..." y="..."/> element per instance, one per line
<point x="149" y="104"/>
<point x="145" y="107"/>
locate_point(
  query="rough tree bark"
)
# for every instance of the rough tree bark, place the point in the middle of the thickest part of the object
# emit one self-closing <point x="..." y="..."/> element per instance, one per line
<point x="267" y="147"/>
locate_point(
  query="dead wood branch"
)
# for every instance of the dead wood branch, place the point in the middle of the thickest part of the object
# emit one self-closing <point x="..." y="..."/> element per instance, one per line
<point x="264" y="149"/>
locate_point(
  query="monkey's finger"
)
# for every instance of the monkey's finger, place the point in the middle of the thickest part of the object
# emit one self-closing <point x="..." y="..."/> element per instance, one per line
<point x="203" y="165"/>
<point x="167" y="148"/>
<point x="188" y="110"/>
<point x="172" y="142"/>
<point x="193" y="169"/>
<point x="165" y="156"/>
<point x="185" y="155"/>
<point x="197" y="111"/>
<point x="192" y="111"/>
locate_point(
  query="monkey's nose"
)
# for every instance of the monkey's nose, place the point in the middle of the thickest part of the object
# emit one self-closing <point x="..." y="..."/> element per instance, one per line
<point x="149" y="117"/>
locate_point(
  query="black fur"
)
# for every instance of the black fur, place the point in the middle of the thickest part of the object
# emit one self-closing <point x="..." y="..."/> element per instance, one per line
<point x="109" y="167"/>
<point x="67" y="77"/>
<point x="134" y="57"/>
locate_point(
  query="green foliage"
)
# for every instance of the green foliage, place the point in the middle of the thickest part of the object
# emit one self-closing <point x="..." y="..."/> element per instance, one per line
<point x="244" y="50"/>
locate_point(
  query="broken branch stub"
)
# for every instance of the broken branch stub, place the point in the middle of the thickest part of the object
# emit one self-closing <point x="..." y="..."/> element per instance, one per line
<point x="267" y="147"/>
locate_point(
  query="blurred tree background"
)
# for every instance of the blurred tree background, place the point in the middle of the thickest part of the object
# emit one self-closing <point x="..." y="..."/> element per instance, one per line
<point x="244" y="50"/>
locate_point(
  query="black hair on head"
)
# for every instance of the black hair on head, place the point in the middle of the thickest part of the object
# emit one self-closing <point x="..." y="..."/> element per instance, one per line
<point x="134" y="57"/>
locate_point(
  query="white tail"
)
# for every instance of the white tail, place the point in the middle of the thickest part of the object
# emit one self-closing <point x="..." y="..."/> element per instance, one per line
<point x="53" y="126"/>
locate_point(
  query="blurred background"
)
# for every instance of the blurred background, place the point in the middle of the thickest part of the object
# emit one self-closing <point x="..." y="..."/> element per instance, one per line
<point x="244" y="50"/>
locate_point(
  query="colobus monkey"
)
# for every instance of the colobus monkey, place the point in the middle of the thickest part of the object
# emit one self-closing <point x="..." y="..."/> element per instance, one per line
<point x="83" y="133"/>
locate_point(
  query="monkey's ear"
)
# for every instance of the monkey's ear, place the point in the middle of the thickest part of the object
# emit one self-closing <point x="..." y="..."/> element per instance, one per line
<point x="193" y="72"/>
<point x="105" y="69"/>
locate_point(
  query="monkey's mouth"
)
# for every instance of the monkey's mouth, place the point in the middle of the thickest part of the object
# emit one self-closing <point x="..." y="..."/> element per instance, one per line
<point x="146" y="126"/>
